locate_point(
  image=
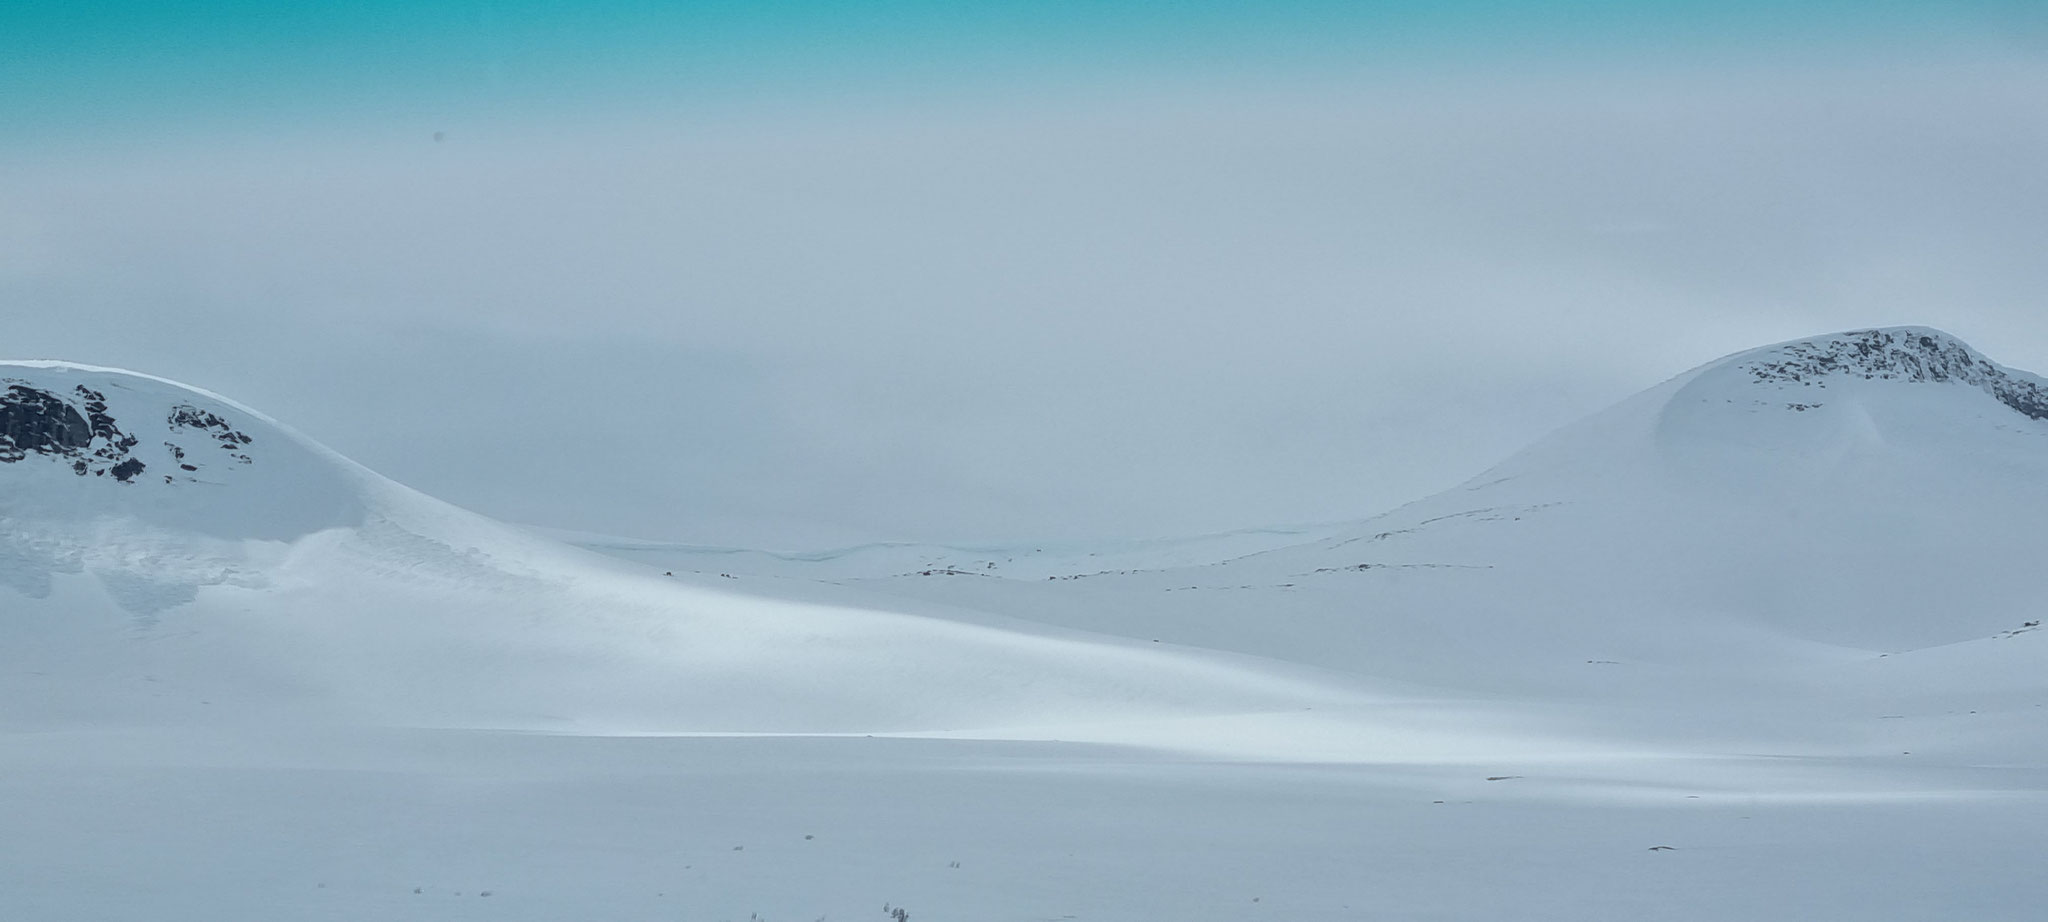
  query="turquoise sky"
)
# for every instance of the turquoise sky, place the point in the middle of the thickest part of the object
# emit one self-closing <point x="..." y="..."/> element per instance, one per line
<point x="75" y="65"/>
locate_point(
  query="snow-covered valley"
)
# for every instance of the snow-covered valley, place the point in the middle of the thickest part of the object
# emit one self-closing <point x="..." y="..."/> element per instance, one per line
<point x="1758" y="642"/>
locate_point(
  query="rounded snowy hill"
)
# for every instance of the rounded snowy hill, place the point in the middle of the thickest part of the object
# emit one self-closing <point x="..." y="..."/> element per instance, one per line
<point x="1877" y="489"/>
<point x="81" y="441"/>
<point x="1859" y="513"/>
<point x="166" y="551"/>
<point x="1864" y="509"/>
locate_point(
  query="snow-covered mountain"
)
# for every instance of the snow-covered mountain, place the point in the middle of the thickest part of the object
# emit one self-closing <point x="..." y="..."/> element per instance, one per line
<point x="165" y="551"/>
<point x="80" y="443"/>
<point x="1792" y="514"/>
<point x="1760" y="641"/>
<point x="1839" y="523"/>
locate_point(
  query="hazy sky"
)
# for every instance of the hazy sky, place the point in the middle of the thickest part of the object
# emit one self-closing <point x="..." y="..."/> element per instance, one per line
<point x="793" y="274"/>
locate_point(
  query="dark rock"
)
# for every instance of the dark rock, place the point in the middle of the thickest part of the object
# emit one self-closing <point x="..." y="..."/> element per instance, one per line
<point x="38" y="421"/>
<point x="186" y="417"/>
<point x="78" y="429"/>
<point x="1891" y="355"/>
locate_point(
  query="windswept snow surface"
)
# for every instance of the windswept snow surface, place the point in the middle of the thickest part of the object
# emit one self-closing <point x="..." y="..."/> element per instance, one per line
<point x="1761" y="642"/>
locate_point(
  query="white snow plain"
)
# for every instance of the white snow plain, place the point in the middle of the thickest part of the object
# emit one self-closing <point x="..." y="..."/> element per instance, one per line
<point x="1761" y="642"/>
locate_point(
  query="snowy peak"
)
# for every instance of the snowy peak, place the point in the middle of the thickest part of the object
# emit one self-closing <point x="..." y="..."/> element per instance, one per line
<point x="1907" y="354"/>
<point x="1891" y="409"/>
<point x="80" y="444"/>
<point x="78" y="429"/>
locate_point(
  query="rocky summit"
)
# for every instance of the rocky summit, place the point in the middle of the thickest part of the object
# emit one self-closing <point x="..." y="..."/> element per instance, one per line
<point x="76" y="428"/>
<point x="1899" y="354"/>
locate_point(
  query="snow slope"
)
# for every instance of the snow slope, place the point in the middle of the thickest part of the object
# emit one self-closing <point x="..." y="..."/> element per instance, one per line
<point x="169" y="554"/>
<point x="1761" y="642"/>
<point x="1035" y="560"/>
<point x="1873" y="490"/>
<point x="1779" y="546"/>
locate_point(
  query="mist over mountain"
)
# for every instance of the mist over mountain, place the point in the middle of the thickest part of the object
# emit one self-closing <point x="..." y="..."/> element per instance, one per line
<point x="1873" y="491"/>
<point x="1802" y="574"/>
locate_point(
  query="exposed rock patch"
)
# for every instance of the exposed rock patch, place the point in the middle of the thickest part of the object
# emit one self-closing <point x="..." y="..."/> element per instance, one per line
<point x="185" y="417"/>
<point x="1899" y="355"/>
<point x="38" y="421"/>
<point x="79" y="430"/>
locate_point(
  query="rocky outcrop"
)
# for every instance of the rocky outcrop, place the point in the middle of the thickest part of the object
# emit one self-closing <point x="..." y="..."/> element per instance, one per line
<point x="1899" y="355"/>
<point x="79" y="430"/>
<point x="187" y="418"/>
<point x="38" y="421"/>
